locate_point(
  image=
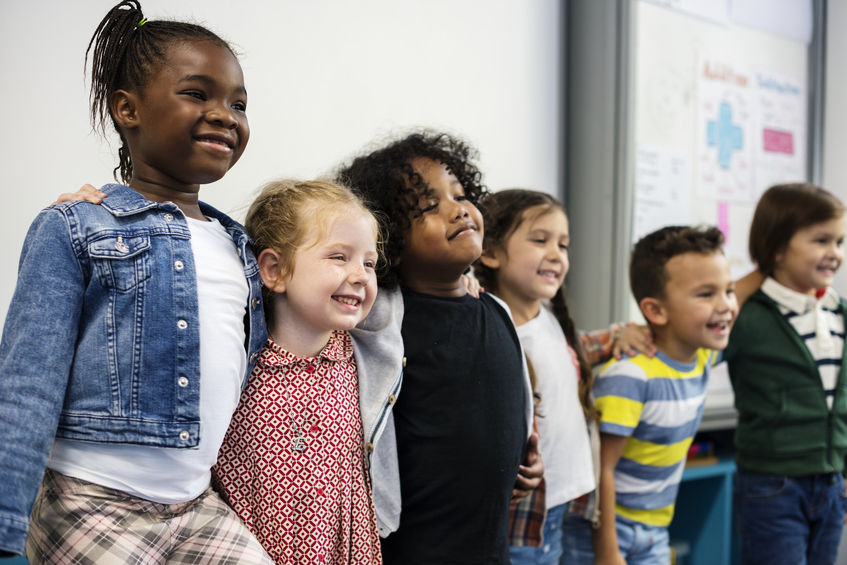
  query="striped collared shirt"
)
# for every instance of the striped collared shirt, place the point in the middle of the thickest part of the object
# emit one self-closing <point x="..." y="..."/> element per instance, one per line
<point x="819" y="323"/>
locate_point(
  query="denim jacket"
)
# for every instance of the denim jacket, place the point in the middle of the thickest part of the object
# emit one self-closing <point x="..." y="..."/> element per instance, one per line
<point x="101" y="340"/>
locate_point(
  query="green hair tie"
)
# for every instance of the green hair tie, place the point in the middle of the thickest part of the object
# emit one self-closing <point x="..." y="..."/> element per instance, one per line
<point x="141" y="23"/>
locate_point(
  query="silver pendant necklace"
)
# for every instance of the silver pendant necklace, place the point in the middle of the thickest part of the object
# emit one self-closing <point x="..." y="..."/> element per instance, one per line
<point x="298" y="444"/>
<point x="310" y="407"/>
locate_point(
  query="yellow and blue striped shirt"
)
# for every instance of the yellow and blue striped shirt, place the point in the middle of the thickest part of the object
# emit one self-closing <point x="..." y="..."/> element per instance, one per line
<point x="657" y="404"/>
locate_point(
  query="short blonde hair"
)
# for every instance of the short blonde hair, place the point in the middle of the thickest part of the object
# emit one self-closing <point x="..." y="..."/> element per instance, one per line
<point x="284" y="212"/>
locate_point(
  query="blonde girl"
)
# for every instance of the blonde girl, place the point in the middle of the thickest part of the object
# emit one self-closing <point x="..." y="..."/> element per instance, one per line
<point x="292" y="464"/>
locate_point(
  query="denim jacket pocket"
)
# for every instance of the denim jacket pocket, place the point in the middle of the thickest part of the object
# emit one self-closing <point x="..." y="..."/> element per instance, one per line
<point x="121" y="261"/>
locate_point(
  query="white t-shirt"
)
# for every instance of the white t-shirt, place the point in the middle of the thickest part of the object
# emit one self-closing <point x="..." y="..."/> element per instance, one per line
<point x="563" y="434"/>
<point x="169" y="475"/>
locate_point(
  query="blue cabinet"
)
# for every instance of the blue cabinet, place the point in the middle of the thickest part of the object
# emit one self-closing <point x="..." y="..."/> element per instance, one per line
<point x="703" y="515"/>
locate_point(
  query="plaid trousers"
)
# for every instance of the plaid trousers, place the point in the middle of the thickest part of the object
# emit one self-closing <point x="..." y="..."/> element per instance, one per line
<point x="80" y="523"/>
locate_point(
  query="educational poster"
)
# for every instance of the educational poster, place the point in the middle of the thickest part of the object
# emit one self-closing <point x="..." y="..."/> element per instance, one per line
<point x="751" y="131"/>
<point x="662" y="190"/>
<point x="725" y="130"/>
<point x="780" y="144"/>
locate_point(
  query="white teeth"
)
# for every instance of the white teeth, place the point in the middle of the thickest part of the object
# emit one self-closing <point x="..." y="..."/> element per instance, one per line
<point x="344" y="300"/>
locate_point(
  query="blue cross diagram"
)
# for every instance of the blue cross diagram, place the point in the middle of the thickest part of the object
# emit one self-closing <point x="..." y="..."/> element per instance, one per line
<point x="724" y="135"/>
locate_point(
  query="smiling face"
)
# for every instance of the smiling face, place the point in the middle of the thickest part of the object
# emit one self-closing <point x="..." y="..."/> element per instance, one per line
<point x="333" y="284"/>
<point x="188" y="125"/>
<point x="812" y="257"/>
<point x="698" y="308"/>
<point x="443" y="242"/>
<point x="533" y="264"/>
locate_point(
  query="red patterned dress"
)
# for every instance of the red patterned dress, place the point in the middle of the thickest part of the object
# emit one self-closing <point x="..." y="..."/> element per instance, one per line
<point x="292" y="462"/>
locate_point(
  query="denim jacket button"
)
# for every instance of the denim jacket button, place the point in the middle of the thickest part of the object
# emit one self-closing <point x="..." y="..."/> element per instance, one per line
<point x="184" y="435"/>
<point x="120" y="246"/>
<point x="182" y="324"/>
<point x="182" y="381"/>
<point x="392" y="399"/>
<point x="169" y="217"/>
<point x="253" y="357"/>
<point x="179" y="265"/>
<point x="369" y="447"/>
<point x="256" y="303"/>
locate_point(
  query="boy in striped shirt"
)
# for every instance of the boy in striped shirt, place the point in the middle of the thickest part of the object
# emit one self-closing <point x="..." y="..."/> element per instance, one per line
<point x="651" y="407"/>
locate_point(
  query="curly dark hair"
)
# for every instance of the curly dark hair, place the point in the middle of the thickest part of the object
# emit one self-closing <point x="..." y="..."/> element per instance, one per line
<point x="125" y="50"/>
<point x="386" y="180"/>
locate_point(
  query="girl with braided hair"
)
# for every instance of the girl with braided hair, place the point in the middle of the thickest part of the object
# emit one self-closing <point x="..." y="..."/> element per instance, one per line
<point x="135" y="323"/>
<point x="524" y="262"/>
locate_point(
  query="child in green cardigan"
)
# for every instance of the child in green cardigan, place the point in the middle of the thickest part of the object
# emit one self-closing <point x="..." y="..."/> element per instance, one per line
<point x="786" y="364"/>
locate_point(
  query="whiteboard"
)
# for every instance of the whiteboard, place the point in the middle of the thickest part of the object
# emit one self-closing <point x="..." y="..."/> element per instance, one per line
<point x="720" y="113"/>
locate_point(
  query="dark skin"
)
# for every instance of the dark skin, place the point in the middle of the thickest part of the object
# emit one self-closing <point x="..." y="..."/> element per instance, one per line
<point x="187" y="127"/>
<point x="440" y="246"/>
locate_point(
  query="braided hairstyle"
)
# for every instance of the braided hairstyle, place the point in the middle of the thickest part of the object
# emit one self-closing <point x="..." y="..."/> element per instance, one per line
<point x="126" y="50"/>
<point x="386" y="180"/>
<point x="503" y="212"/>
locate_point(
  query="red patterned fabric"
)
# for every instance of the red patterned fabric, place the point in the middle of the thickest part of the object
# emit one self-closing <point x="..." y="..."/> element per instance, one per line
<point x="305" y="496"/>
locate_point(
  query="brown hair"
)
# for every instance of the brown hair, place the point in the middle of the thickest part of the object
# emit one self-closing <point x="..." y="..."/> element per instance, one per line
<point x="281" y="217"/>
<point x="503" y="213"/>
<point x="782" y="210"/>
<point x="647" y="273"/>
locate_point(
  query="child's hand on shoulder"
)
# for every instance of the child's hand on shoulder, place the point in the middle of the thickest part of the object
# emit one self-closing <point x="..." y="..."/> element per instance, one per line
<point x="86" y="193"/>
<point x="632" y="339"/>
<point x="471" y="285"/>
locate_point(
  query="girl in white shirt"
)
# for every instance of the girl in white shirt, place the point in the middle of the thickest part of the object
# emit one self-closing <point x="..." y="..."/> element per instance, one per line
<point x="524" y="263"/>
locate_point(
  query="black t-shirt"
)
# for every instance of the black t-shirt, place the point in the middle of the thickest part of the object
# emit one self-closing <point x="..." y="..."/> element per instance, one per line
<point x="461" y="431"/>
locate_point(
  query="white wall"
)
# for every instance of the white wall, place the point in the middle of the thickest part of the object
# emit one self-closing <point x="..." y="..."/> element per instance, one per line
<point x="324" y="77"/>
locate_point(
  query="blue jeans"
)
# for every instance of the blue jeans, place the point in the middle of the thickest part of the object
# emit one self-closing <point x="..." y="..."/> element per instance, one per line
<point x="639" y="544"/>
<point x="551" y="546"/>
<point x="790" y="520"/>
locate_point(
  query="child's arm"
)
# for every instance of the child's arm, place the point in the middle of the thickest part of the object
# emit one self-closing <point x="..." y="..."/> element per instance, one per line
<point x="531" y="472"/>
<point x="606" y="550"/>
<point x="633" y="339"/>
<point x="86" y="193"/>
<point x="35" y="356"/>
<point x="747" y="285"/>
<point x="630" y="338"/>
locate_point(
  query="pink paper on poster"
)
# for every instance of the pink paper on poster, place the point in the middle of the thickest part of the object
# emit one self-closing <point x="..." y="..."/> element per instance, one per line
<point x="777" y="141"/>
<point x="723" y="218"/>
